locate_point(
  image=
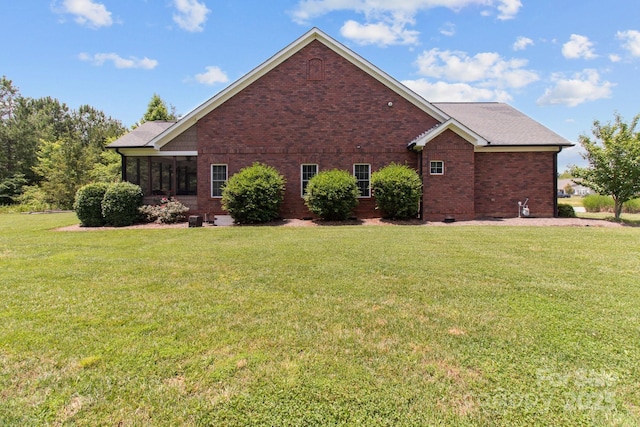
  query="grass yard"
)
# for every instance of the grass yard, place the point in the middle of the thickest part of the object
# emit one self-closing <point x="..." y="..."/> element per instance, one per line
<point x="352" y="325"/>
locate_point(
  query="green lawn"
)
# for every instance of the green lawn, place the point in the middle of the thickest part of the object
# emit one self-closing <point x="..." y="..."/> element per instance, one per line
<point x="351" y="325"/>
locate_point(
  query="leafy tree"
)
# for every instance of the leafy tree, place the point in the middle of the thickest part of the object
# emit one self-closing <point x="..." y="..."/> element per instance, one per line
<point x="614" y="161"/>
<point x="64" y="168"/>
<point x="157" y="110"/>
<point x="569" y="189"/>
<point x="44" y="142"/>
<point x="10" y="188"/>
<point x="107" y="168"/>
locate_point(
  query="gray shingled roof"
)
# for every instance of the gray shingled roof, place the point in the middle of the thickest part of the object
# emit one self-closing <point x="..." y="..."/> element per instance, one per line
<point x="501" y="124"/>
<point x="142" y="135"/>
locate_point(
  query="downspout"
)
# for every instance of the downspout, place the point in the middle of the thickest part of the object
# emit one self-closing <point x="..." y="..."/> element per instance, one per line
<point x="123" y="166"/>
<point x="411" y="147"/>
<point x="420" y="208"/>
<point x="555" y="182"/>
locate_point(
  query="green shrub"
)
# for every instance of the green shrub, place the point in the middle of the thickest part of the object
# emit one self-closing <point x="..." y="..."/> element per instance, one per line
<point x="597" y="203"/>
<point x="120" y="204"/>
<point x="32" y="199"/>
<point x="169" y="211"/>
<point x="566" y="211"/>
<point x="88" y="204"/>
<point x="631" y="206"/>
<point x="332" y="194"/>
<point x="254" y="194"/>
<point x="397" y="190"/>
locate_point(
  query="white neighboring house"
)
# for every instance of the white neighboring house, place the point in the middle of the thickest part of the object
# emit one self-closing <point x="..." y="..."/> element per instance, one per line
<point x="578" y="190"/>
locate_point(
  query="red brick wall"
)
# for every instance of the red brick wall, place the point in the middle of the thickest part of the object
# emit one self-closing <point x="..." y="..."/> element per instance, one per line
<point x="503" y="179"/>
<point x="451" y="194"/>
<point x="335" y="117"/>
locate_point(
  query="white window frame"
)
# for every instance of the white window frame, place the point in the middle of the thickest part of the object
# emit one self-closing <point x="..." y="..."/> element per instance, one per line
<point x="431" y="167"/>
<point x="226" y="177"/>
<point x="304" y="181"/>
<point x="368" y="180"/>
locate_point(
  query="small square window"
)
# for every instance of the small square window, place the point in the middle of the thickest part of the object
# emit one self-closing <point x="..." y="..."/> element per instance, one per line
<point x="436" y="167"/>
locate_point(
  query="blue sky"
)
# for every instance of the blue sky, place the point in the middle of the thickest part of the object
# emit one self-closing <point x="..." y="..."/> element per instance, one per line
<point x="562" y="62"/>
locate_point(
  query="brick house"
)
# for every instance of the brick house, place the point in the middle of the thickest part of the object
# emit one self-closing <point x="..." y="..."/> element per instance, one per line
<point x="317" y="105"/>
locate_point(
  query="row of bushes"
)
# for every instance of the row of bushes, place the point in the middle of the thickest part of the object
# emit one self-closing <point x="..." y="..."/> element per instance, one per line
<point x="255" y="193"/>
<point x="598" y="203"/>
<point x="120" y="205"/>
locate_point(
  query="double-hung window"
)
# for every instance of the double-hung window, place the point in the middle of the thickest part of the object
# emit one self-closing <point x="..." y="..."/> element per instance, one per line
<point x="218" y="179"/>
<point x="436" y="167"/>
<point x="362" y="172"/>
<point x="307" y="171"/>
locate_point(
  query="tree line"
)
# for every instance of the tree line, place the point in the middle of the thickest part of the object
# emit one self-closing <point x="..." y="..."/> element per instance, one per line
<point x="48" y="150"/>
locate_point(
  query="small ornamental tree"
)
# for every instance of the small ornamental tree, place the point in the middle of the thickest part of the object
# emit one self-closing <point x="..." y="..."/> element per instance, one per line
<point x="254" y="194"/>
<point x="88" y="204"/>
<point x="332" y="194"/>
<point x="397" y="190"/>
<point x="614" y="161"/>
<point x="121" y="203"/>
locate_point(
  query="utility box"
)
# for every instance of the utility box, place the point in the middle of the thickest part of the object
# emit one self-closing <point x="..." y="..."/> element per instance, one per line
<point x="195" y="221"/>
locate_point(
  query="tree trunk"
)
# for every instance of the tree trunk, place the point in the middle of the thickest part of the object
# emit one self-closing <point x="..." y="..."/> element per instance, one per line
<point x="617" y="209"/>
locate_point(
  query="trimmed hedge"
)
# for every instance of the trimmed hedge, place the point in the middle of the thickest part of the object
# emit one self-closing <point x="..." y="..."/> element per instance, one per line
<point x="332" y="194"/>
<point x="254" y="194"/>
<point x="88" y="204"/>
<point x="397" y="190"/>
<point x="121" y="203"/>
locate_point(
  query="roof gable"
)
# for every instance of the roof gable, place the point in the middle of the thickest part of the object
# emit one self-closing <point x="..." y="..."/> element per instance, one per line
<point x="314" y="34"/>
<point x="141" y="135"/>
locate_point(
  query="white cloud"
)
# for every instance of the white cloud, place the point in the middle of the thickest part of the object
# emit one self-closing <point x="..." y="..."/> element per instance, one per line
<point x="582" y="87"/>
<point x="522" y="43"/>
<point x="119" y="62"/>
<point x="93" y="15"/>
<point x="578" y="47"/>
<point x="614" y="58"/>
<point x="488" y="69"/>
<point x="508" y="9"/>
<point x="455" y="92"/>
<point x="386" y="18"/>
<point x="212" y="76"/>
<point x="380" y="34"/>
<point x="486" y="76"/>
<point x="631" y="39"/>
<point x="448" y="29"/>
<point x="191" y="15"/>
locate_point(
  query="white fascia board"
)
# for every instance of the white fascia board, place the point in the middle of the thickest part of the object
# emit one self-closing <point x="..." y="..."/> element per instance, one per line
<point x="457" y="127"/>
<point x="516" y="148"/>
<point x="154" y="153"/>
<point x="311" y="35"/>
